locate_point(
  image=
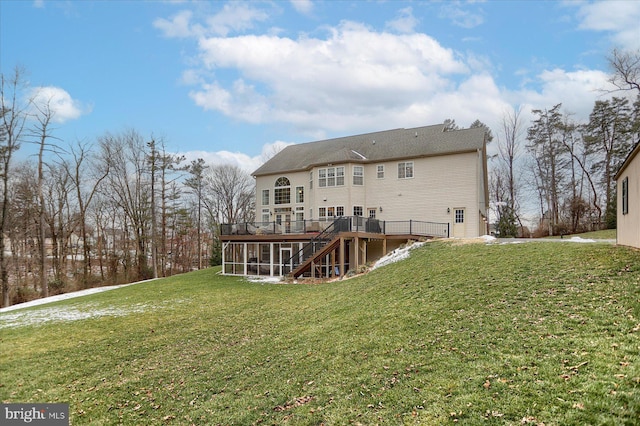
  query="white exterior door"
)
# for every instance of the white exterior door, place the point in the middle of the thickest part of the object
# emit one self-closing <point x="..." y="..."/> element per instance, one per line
<point x="285" y="255"/>
<point x="459" y="223"/>
<point x="284" y="219"/>
<point x="299" y="222"/>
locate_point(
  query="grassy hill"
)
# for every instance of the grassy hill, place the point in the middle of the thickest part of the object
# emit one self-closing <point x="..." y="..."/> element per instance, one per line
<point x="531" y="333"/>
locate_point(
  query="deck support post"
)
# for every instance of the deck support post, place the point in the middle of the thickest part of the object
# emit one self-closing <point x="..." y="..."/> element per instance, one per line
<point x="356" y="253"/>
<point x="341" y="271"/>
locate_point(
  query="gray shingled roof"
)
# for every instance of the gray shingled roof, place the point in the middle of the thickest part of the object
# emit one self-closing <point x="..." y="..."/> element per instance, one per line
<point x="374" y="147"/>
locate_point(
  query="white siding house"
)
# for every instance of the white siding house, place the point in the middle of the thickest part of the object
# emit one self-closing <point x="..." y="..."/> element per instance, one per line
<point x="398" y="184"/>
<point x="628" y="200"/>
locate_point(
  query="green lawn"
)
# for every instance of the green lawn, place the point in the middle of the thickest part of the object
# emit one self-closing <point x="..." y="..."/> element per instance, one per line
<point x="476" y="334"/>
<point x="605" y="234"/>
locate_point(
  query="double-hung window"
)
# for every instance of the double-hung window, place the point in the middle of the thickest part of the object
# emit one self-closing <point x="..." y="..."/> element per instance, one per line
<point x="265" y="197"/>
<point x="322" y="178"/>
<point x="380" y="171"/>
<point x="358" y="175"/>
<point x="339" y="176"/>
<point x="331" y="176"/>
<point x="405" y="170"/>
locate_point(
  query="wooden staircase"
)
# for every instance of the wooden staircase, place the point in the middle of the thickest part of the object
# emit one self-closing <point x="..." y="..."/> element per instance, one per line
<point x="318" y="247"/>
<point x="307" y="264"/>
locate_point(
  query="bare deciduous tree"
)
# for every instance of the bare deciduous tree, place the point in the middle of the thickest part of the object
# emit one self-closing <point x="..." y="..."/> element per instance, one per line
<point x="86" y="178"/>
<point x="42" y="132"/>
<point x="505" y="183"/>
<point x="129" y="189"/>
<point x="232" y="189"/>
<point x="625" y="66"/>
<point x="13" y="117"/>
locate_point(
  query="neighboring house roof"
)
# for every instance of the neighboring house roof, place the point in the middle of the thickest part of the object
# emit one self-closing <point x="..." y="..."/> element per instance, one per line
<point x="375" y="147"/>
<point x="628" y="160"/>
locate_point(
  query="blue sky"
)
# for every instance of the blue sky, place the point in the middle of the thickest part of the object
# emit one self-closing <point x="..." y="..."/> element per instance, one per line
<point x="229" y="81"/>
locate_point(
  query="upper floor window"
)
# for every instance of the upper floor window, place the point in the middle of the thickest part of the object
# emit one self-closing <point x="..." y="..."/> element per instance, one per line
<point x="380" y="171"/>
<point x="282" y="191"/>
<point x="358" y="175"/>
<point x="405" y="170"/>
<point x="339" y="176"/>
<point x="310" y="180"/>
<point x="265" y="197"/>
<point x="299" y="194"/>
<point x="331" y="176"/>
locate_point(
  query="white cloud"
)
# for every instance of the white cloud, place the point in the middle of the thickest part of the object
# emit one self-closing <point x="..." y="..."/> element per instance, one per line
<point x="179" y="25"/>
<point x="233" y="17"/>
<point x="620" y="18"/>
<point x="244" y="161"/>
<point x="404" y="23"/>
<point x="355" y="79"/>
<point x="59" y="102"/>
<point x="576" y="90"/>
<point x="464" y="18"/>
<point x="302" y="6"/>
<point x="353" y="76"/>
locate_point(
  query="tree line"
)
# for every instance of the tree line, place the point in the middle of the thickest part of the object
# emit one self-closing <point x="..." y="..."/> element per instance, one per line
<point x="563" y="169"/>
<point x="114" y="210"/>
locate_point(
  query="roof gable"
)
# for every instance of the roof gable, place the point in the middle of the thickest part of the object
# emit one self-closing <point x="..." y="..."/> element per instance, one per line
<point x="375" y="147"/>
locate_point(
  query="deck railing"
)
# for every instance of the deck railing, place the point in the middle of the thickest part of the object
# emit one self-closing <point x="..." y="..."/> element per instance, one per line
<point x="346" y="223"/>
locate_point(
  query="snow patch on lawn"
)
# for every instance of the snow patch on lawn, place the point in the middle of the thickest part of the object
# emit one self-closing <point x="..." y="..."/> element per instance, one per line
<point x="66" y="296"/>
<point x="581" y="240"/>
<point x="263" y="279"/>
<point x="63" y="314"/>
<point x="396" y="255"/>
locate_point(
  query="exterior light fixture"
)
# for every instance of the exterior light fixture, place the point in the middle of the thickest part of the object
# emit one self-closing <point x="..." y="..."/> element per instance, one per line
<point x="448" y="210"/>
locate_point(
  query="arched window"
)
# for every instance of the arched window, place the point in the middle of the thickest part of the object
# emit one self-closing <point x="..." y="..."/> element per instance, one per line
<point x="282" y="191"/>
